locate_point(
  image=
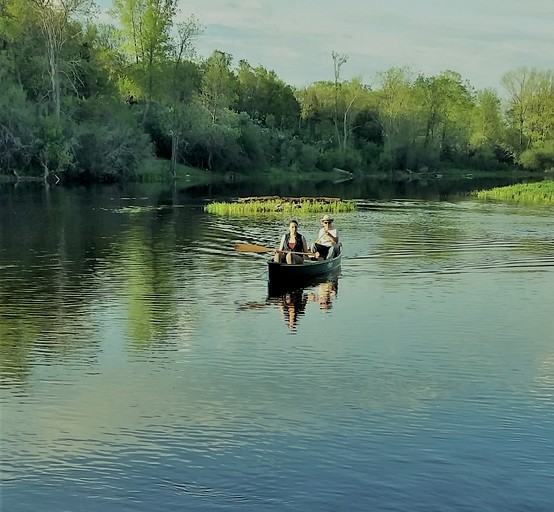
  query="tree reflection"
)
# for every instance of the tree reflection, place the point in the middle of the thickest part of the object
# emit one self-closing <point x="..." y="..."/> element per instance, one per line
<point x="73" y="269"/>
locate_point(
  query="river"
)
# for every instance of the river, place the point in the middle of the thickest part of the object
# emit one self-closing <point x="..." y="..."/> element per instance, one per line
<point x="145" y="367"/>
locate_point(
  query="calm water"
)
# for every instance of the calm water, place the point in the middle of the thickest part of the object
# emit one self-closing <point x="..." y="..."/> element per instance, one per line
<point x="145" y="366"/>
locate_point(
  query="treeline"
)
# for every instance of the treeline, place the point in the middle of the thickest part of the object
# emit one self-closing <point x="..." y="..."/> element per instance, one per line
<point x="85" y="101"/>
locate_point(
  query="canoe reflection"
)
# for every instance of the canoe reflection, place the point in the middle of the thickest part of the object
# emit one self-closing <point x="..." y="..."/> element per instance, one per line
<point x="293" y="302"/>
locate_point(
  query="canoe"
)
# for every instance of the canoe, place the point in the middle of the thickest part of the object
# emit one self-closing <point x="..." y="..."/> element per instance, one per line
<point x="282" y="273"/>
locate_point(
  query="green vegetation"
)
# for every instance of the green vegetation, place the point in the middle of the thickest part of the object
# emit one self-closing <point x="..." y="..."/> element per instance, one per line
<point x="280" y="205"/>
<point x="155" y="170"/>
<point x="84" y="101"/>
<point x="530" y="193"/>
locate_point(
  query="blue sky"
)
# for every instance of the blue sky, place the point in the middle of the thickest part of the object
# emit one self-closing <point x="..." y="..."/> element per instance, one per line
<point x="480" y="39"/>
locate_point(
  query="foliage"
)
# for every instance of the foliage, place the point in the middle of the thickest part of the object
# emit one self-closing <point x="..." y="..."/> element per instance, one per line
<point x="88" y="99"/>
<point x="539" y="158"/>
<point x="109" y="145"/>
<point x="55" y="23"/>
<point x="146" y="26"/>
<point x="18" y="131"/>
<point x="537" y="193"/>
<point x="281" y="205"/>
<point x="54" y="152"/>
<point x="218" y="90"/>
<point x="265" y="98"/>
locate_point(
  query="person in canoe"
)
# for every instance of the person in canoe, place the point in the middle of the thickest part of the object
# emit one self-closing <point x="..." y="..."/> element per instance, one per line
<point x="327" y="244"/>
<point x="292" y="241"/>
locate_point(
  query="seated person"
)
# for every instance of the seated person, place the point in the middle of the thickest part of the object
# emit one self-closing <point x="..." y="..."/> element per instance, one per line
<point x="327" y="244"/>
<point x="291" y="241"/>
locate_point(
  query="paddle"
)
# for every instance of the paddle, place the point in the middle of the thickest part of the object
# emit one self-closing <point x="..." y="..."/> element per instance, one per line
<point x="252" y="248"/>
<point x="262" y="249"/>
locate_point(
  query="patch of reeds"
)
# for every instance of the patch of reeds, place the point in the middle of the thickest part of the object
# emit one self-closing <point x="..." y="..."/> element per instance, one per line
<point x="133" y="210"/>
<point x="281" y="205"/>
<point x="531" y="193"/>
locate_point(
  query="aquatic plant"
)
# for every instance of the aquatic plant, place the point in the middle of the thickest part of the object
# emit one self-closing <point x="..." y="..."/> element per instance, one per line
<point x="132" y="210"/>
<point x="281" y="205"/>
<point x="533" y="193"/>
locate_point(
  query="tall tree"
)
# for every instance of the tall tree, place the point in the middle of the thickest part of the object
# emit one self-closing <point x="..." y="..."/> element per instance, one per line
<point x="182" y="84"/>
<point x="55" y="17"/>
<point x="218" y="85"/>
<point x="352" y="94"/>
<point x="146" y="27"/>
<point x="447" y="106"/>
<point x="530" y="114"/>
<point x="396" y="114"/>
<point x="487" y="125"/>
<point x="338" y="61"/>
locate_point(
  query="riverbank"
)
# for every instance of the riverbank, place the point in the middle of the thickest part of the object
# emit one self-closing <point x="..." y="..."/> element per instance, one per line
<point x="155" y="170"/>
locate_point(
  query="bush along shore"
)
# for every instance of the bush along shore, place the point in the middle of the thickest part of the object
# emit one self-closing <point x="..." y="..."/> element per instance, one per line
<point x="281" y="205"/>
<point x="528" y="193"/>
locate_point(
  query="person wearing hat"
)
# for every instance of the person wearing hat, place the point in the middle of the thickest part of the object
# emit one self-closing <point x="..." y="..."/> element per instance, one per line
<point x="327" y="243"/>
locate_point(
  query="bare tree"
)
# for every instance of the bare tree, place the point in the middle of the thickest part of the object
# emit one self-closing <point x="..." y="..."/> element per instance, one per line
<point x="183" y="48"/>
<point x="338" y="60"/>
<point x="55" y="17"/>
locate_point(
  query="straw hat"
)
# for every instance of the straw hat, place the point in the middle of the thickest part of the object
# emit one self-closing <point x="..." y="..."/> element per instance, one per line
<point x="327" y="217"/>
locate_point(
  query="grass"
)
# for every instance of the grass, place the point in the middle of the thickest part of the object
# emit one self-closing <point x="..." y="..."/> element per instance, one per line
<point x="529" y="193"/>
<point x="155" y="170"/>
<point x="281" y="205"/>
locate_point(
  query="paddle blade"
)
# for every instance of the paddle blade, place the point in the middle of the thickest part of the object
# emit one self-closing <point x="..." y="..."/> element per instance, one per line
<point x="252" y="248"/>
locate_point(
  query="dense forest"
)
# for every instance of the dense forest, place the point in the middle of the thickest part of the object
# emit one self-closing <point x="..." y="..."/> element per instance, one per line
<point x="85" y="101"/>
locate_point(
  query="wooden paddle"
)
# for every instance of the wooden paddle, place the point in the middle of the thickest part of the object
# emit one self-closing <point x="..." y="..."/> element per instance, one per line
<point x="252" y="248"/>
<point x="262" y="249"/>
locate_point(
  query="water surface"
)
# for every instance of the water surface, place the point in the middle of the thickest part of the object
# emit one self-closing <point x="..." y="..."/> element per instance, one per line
<point x="144" y="366"/>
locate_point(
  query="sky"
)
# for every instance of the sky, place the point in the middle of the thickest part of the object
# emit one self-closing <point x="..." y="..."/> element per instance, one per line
<point x="480" y="39"/>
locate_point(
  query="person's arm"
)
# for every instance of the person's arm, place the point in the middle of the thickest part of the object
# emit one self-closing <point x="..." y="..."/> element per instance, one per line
<point x="334" y="239"/>
<point x="281" y="244"/>
<point x="320" y="235"/>
<point x="305" y="244"/>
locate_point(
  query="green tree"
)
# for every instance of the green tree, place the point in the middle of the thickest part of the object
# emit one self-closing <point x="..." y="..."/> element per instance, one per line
<point x="519" y="86"/>
<point x="54" y="154"/>
<point x="146" y="27"/>
<point x="447" y="108"/>
<point x="18" y="129"/>
<point x="185" y="80"/>
<point x="397" y="109"/>
<point x="530" y="115"/>
<point x="265" y="98"/>
<point x="219" y="85"/>
<point x="487" y="123"/>
<point x="22" y="53"/>
<point x="109" y="144"/>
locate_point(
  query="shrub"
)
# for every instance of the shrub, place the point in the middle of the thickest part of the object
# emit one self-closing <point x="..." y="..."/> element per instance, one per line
<point x="538" y="159"/>
<point x="18" y="130"/>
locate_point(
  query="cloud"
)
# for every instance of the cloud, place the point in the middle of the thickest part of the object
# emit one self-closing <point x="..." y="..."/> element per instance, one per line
<point x="480" y="40"/>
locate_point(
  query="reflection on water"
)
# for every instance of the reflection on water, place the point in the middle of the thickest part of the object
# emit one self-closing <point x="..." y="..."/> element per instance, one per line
<point x="293" y="302"/>
<point x="145" y="364"/>
<point x="326" y="293"/>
